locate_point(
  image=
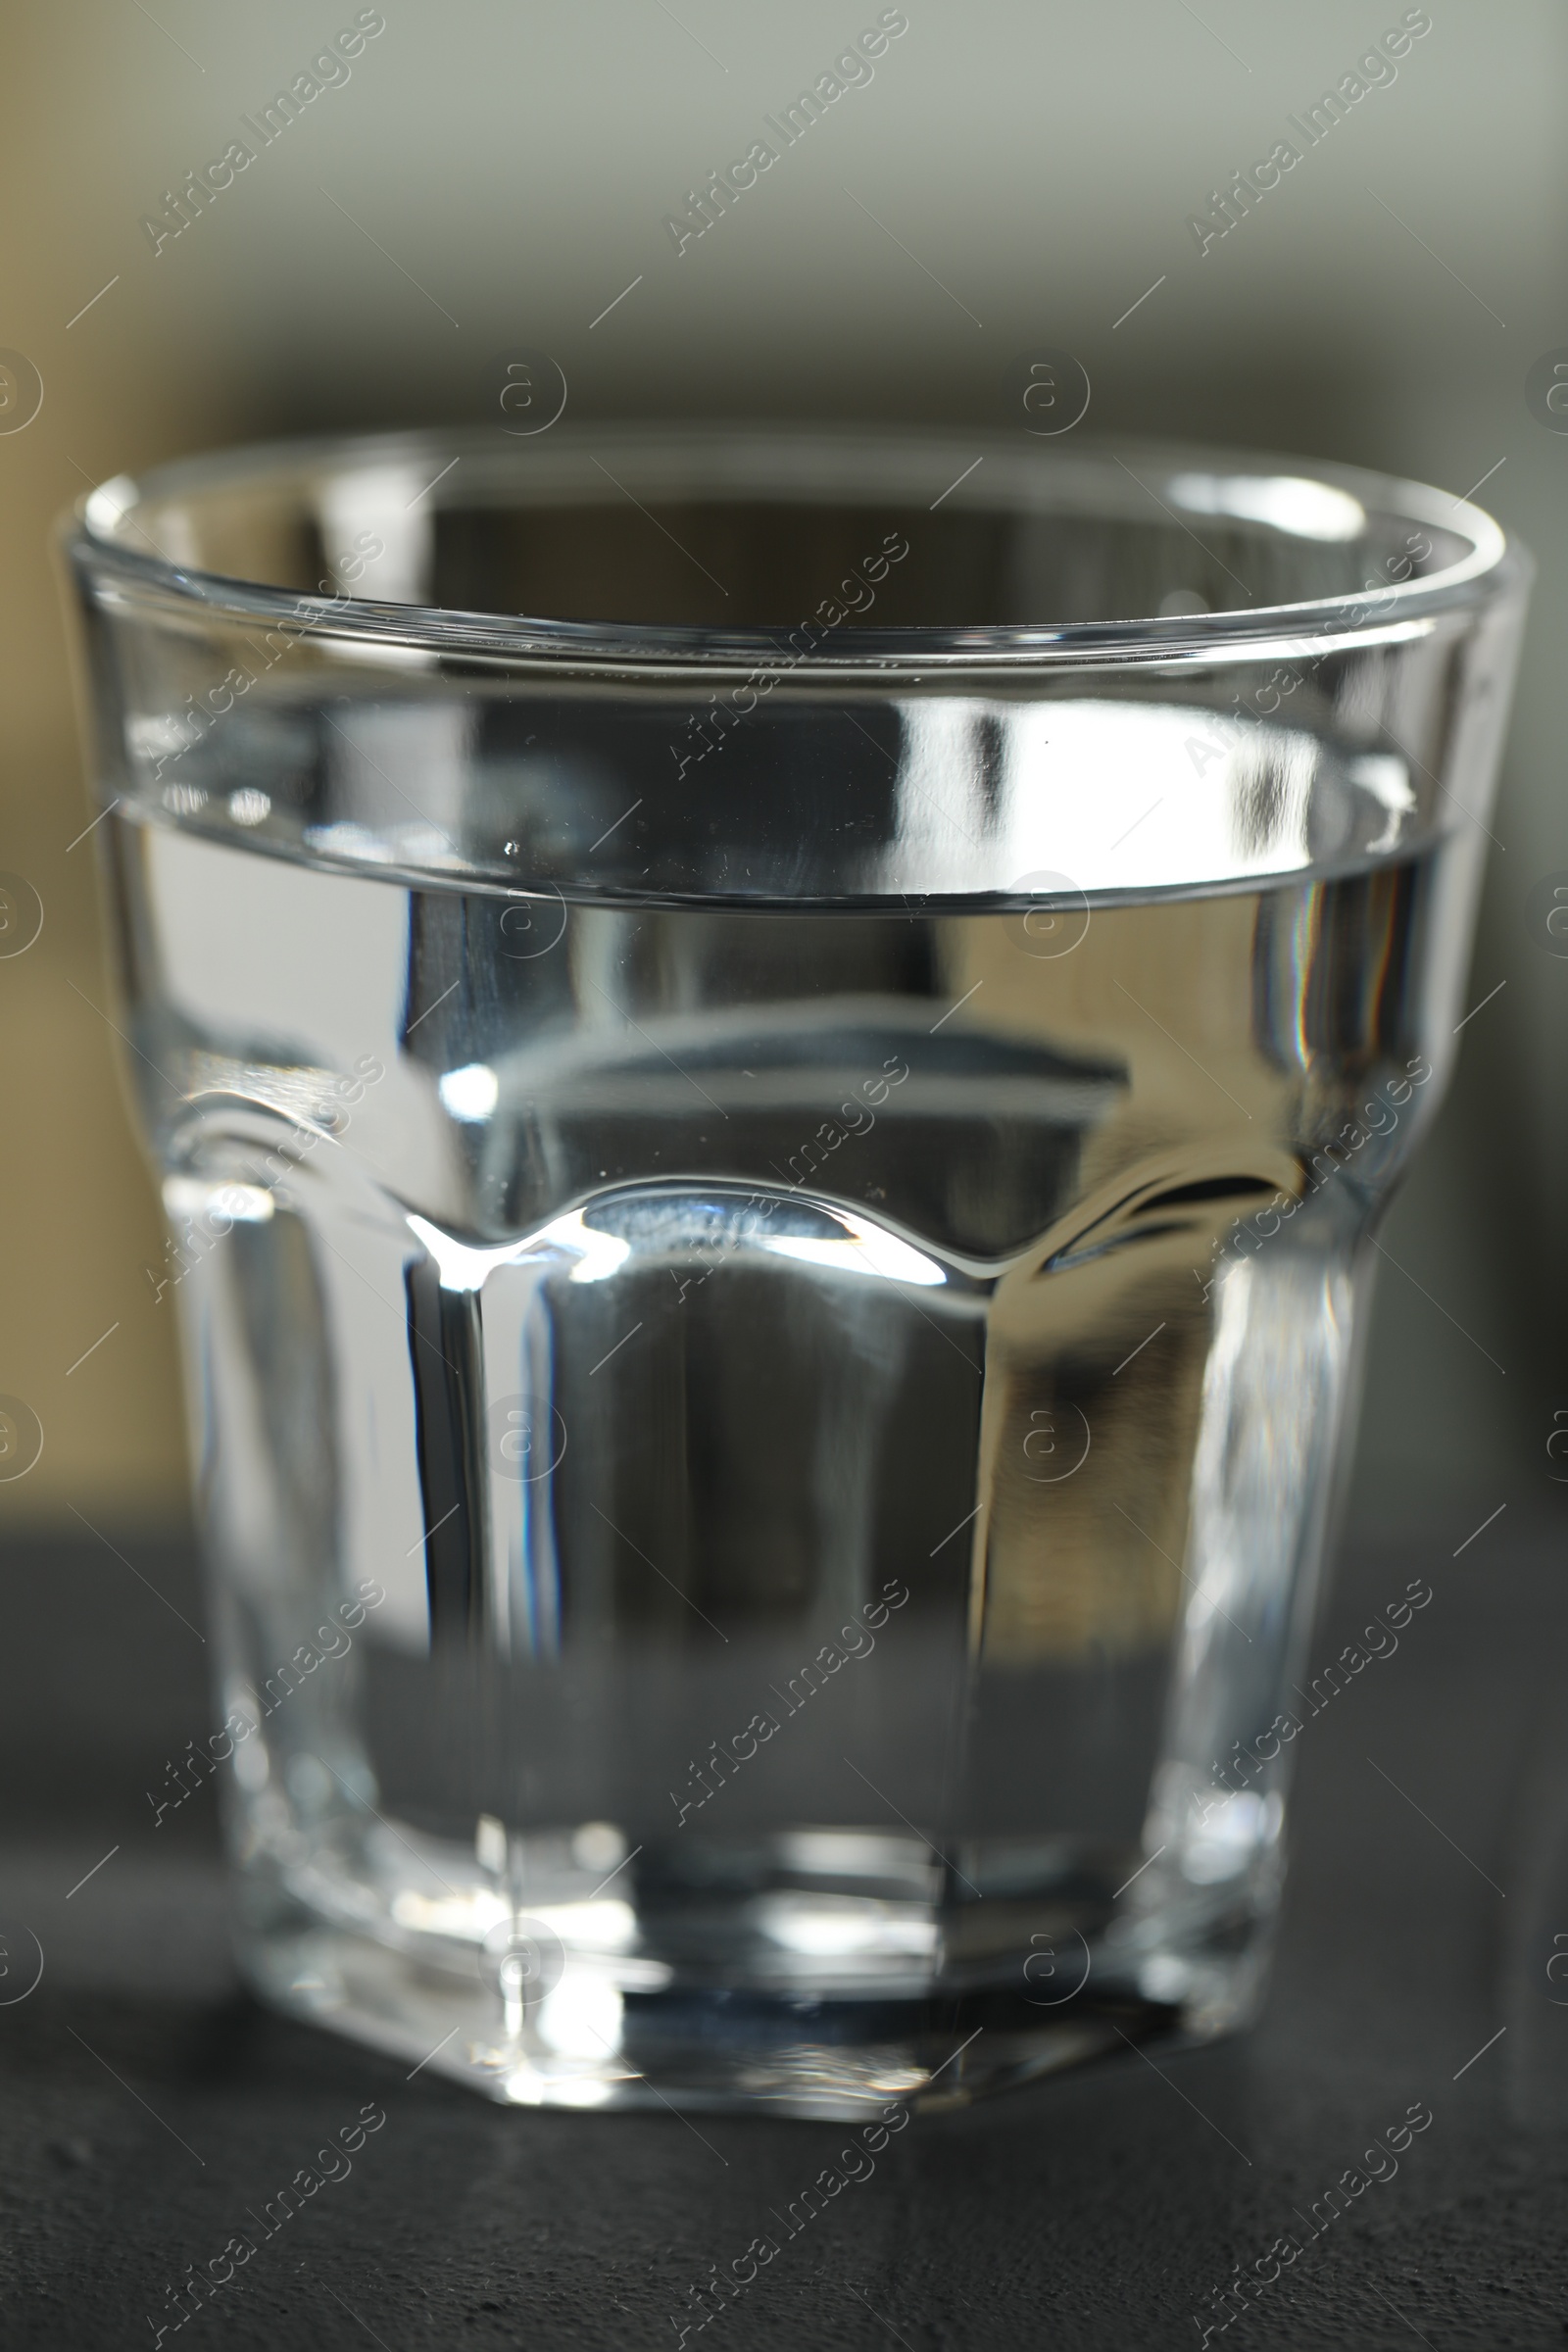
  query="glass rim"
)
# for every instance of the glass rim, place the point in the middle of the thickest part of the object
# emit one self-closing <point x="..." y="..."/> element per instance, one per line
<point x="777" y="461"/>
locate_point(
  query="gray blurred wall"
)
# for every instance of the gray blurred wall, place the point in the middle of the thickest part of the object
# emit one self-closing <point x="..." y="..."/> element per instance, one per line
<point x="484" y="175"/>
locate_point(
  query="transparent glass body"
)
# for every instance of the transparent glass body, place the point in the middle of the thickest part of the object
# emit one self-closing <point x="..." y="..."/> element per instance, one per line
<point x="770" y="1100"/>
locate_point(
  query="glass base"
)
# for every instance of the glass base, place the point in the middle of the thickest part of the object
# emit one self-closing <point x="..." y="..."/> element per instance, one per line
<point x="806" y="2000"/>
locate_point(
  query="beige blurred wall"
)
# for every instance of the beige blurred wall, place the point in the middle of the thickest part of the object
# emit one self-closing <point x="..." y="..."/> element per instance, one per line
<point x="1012" y="176"/>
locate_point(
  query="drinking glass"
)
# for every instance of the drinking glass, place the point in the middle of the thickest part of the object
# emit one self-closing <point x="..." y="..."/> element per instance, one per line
<point x="772" y="1058"/>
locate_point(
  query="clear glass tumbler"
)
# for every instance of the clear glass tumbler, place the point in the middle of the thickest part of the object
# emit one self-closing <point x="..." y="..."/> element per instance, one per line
<point x="772" y="1057"/>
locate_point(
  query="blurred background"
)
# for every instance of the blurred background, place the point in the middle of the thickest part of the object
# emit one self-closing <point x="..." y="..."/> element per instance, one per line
<point x="484" y="176"/>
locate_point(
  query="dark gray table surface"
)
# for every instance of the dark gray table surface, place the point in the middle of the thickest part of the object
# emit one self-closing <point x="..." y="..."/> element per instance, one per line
<point x="147" y="2105"/>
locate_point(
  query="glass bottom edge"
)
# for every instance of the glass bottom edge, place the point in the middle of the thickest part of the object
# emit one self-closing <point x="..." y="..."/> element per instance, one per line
<point x="707" y="2048"/>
